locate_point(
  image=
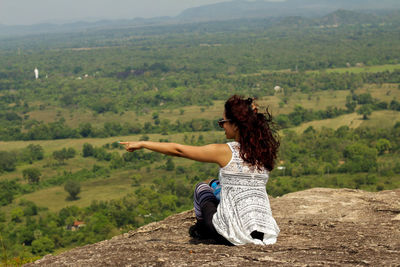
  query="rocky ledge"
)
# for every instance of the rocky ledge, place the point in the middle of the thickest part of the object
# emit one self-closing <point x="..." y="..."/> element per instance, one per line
<point x="319" y="227"/>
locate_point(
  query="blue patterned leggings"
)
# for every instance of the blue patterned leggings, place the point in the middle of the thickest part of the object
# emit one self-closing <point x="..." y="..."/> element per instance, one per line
<point x="203" y="194"/>
<point x="205" y="206"/>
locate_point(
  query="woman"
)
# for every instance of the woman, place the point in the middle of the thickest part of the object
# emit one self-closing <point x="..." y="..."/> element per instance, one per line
<point x="243" y="214"/>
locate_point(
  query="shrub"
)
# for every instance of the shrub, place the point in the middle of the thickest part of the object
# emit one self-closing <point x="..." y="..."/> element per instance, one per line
<point x="42" y="246"/>
<point x="7" y="161"/>
<point x="63" y="154"/>
<point x="32" y="175"/>
<point x="17" y="214"/>
<point x="87" y="150"/>
<point x="73" y="188"/>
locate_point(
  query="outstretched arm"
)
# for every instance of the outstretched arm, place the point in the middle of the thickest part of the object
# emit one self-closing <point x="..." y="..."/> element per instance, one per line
<point x="214" y="153"/>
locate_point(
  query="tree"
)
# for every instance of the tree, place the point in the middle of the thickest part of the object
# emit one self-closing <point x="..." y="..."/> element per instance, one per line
<point x="64" y="154"/>
<point x="73" y="188"/>
<point x="169" y="165"/>
<point x="101" y="154"/>
<point x="67" y="100"/>
<point x="86" y="129"/>
<point x="32" y="152"/>
<point x="17" y="214"/>
<point x="32" y="175"/>
<point x="350" y="104"/>
<point x="7" y="161"/>
<point x="359" y="158"/>
<point x="87" y="150"/>
<point x="116" y="161"/>
<point x="6" y="197"/>
<point x="42" y="246"/>
<point x="395" y="105"/>
<point x="30" y="208"/>
<point x="2" y="216"/>
<point x="100" y="225"/>
<point x="283" y="121"/>
<point x="383" y="145"/>
<point x="365" y="99"/>
<point x="365" y="110"/>
<point x="144" y="138"/>
<point x="7" y="191"/>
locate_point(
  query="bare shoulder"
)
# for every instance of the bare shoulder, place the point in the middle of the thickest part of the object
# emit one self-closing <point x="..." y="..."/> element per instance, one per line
<point x="219" y="146"/>
<point x="222" y="152"/>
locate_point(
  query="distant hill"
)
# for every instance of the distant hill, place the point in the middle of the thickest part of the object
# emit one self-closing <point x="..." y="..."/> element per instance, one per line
<point x="338" y="17"/>
<point x="348" y="17"/>
<point x="18" y="30"/>
<point x="261" y="8"/>
<point x="298" y="10"/>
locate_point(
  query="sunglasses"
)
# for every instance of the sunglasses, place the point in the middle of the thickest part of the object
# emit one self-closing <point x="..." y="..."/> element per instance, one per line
<point x="221" y="122"/>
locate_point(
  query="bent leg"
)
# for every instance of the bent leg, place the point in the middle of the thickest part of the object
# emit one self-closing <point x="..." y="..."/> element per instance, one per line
<point x="208" y="210"/>
<point x="202" y="193"/>
<point x="205" y="206"/>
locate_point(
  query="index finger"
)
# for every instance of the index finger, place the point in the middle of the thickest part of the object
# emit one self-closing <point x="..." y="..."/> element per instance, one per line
<point x="123" y="143"/>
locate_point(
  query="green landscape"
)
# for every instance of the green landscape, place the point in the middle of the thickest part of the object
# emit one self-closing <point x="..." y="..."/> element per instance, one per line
<point x="334" y="92"/>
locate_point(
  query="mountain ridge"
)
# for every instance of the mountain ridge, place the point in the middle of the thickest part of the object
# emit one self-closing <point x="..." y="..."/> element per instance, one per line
<point x="259" y="8"/>
<point x="223" y="11"/>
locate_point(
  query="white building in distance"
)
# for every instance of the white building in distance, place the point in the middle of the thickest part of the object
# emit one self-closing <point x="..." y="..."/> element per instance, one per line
<point x="278" y="89"/>
<point x="36" y="73"/>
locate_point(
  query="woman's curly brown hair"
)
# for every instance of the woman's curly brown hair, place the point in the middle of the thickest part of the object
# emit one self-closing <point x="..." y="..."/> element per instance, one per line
<point x="257" y="134"/>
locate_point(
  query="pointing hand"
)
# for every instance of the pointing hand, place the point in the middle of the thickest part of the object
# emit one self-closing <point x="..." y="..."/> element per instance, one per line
<point x="131" y="146"/>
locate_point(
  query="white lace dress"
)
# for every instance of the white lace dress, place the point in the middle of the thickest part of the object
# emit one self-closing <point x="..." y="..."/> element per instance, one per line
<point x="244" y="205"/>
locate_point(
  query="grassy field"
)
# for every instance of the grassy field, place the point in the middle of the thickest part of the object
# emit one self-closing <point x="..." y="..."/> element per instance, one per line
<point x="352" y="120"/>
<point x="381" y="119"/>
<point x="119" y="182"/>
<point x="52" y="145"/>
<point x="75" y="117"/>
<point x="55" y="198"/>
<point x="317" y="101"/>
<point x="354" y="69"/>
<point x="378" y="119"/>
<point x="384" y="92"/>
<point x="100" y="189"/>
<point x="77" y="163"/>
<point x="380" y="68"/>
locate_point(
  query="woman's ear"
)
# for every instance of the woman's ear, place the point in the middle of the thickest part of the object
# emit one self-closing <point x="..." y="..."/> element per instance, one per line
<point x="236" y="130"/>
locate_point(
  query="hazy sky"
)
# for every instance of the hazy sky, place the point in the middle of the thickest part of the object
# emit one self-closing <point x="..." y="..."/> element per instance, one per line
<point x="17" y="12"/>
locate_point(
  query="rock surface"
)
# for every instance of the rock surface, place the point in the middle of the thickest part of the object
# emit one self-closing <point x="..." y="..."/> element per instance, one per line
<point x="319" y="227"/>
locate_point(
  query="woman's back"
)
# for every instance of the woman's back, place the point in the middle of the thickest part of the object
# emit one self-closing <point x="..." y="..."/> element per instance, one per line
<point x="244" y="206"/>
